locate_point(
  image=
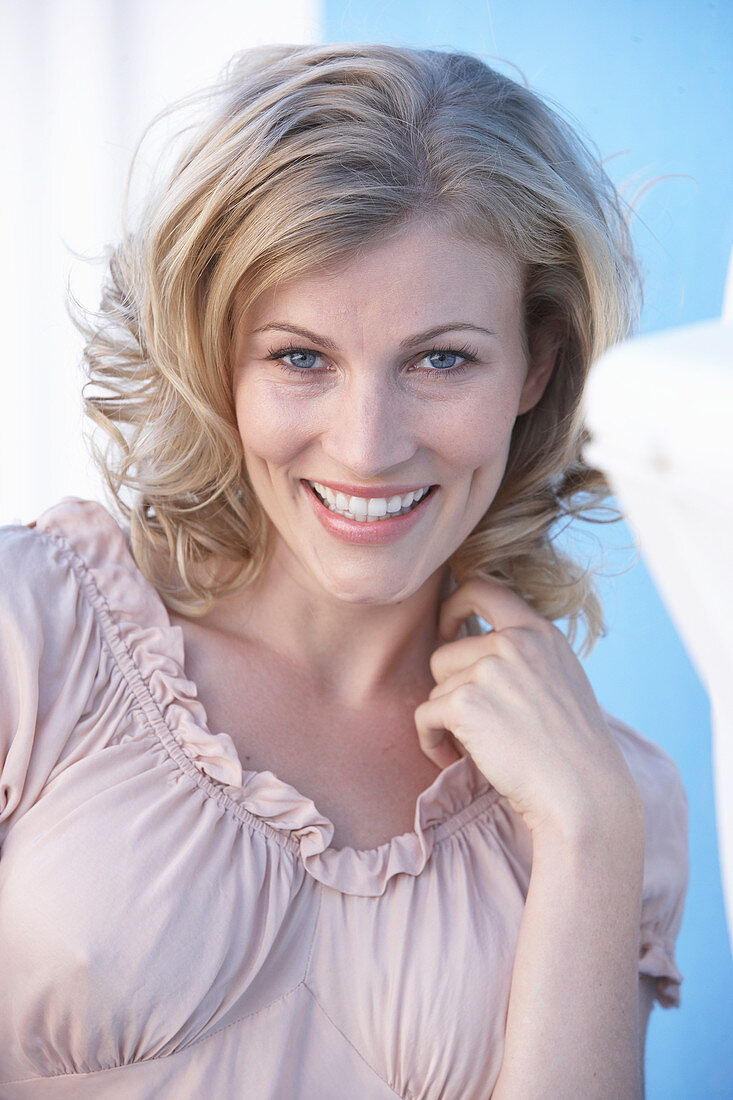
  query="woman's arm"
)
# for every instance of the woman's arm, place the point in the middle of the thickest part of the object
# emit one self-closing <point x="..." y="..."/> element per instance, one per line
<point x="647" y="993"/>
<point x="518" y="700"/>
<point x="573" y="1024"/>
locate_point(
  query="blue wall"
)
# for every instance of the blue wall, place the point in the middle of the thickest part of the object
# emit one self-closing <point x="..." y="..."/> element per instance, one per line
<point x="650" y="81"/>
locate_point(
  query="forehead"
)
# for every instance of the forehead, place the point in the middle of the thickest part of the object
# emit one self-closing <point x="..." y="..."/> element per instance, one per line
<point x="421" y="276"/>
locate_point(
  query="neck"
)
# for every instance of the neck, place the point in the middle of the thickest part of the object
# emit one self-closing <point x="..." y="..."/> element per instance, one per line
<point x="350" y="651"/>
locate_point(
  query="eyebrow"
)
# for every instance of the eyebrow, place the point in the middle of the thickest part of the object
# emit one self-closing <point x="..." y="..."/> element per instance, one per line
<point x="408" y="342"/>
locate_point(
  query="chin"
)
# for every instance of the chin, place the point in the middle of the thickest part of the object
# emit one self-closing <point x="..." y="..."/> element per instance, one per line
<point x="371" y="591"/>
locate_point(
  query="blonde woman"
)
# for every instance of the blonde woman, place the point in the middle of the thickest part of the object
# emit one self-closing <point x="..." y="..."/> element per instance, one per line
<point x="303" y="793"/>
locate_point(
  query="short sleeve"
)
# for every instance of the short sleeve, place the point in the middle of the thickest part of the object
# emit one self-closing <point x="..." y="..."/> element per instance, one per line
<point x="665" y="858"/>
<point x="48" y="663"/>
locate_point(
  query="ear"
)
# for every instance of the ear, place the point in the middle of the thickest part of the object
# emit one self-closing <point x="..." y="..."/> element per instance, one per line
<point x="540" y="370"/>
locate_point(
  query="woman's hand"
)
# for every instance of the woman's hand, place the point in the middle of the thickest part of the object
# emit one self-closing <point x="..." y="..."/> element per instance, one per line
<point x="519" y="701"/>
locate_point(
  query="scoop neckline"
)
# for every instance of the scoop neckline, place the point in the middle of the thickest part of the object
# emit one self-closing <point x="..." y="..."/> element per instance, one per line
<point x="282" y="784"/>
<point x="206" y="727"/>
<point x="150" y="651"/>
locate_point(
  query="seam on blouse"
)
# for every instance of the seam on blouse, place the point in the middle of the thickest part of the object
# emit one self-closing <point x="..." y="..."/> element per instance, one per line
<point x="136" y="683"/>
<point x="264" y="1008"/>
<point x="156" y="1057"/>
<point x="404" y="1096"/>
<point x="220" y="1030"/>
<point x="195" y="1042"/>
<point x="316" y="924"/>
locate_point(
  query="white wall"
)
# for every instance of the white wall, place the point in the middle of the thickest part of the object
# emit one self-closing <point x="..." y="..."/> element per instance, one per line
<point x="79" y="79"/>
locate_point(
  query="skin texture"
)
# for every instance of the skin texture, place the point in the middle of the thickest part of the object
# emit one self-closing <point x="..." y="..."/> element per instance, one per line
<point x="362" y="401"/>
<point x="374" y="414"/>
<point x="519" y="701"/>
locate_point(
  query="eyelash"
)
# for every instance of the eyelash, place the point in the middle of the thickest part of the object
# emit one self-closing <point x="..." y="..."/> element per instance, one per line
<point x="446" y="373"/>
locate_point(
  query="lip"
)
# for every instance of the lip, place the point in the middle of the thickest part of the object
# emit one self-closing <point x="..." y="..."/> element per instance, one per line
<point x="368" y="491"/>
<point x="365" y="534"/>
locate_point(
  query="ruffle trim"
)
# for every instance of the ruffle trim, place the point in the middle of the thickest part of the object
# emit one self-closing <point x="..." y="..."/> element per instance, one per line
<point x="365" y="872"/>
<point x="657" y="961"/>
<point x="141" y="617"/>
<point x="156" y="648"/>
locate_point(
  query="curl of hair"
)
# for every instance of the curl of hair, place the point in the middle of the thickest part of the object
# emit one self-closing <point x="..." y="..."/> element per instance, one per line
<point x="307" y="154"/>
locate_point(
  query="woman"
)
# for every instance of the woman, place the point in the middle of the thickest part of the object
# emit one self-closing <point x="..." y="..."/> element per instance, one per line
<point x="377" y="849"/>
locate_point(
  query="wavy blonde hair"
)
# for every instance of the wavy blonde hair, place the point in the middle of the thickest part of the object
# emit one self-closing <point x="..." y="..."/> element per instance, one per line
<point x="305" y="155"/>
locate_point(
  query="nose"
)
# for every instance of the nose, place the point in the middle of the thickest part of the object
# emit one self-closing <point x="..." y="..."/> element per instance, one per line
<point x="370" y="428"/>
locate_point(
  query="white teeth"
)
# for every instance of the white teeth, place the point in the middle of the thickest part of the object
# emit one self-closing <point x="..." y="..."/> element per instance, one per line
<point x="368" y="509"/>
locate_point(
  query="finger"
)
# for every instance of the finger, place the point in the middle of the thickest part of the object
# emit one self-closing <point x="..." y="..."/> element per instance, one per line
<point x="492" y="601"/>
<point x="436" y="741"/>
<point x="456" y="656"/>
<point x="462" y="676"/>
<point x="471" y="674"/>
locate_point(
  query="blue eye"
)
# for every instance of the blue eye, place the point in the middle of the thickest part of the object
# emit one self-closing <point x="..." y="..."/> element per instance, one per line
<point x="443" y="360"/>
<point x="302" y="359"/>
<point x="446" y="362"/>
<point x="296" y="361"/>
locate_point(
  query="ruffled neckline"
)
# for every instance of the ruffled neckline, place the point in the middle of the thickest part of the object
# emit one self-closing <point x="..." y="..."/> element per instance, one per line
<point x="156" y="648"/>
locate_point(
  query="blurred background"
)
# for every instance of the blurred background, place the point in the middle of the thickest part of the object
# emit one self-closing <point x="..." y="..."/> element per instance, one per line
<point x="649" y="82"/>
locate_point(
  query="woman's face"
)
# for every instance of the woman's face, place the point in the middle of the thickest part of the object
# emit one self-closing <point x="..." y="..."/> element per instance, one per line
<point x="387" y="387"/>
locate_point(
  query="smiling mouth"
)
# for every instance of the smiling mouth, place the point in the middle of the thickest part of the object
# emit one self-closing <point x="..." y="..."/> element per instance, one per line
<point x="369" y="509"/>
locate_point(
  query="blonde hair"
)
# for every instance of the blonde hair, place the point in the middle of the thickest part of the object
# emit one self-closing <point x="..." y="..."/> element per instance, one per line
<point x="306" y="155"/>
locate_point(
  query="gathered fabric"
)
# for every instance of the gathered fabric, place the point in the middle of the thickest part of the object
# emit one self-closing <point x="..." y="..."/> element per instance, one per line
<point x="172" y="924"/>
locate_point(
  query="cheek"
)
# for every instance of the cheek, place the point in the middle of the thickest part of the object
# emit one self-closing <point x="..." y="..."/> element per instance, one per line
<point x="478" y="432"/>
<point x="271" y="431"/>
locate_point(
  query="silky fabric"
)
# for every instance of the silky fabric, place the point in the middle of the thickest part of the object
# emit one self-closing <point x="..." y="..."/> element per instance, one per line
<point x="173" y="925"/>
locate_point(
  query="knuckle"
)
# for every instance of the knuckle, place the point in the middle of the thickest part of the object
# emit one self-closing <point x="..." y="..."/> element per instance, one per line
<point x="464" y="696"/>
<point x="549" y="629"/>
<point x="559" y="637"/>
<point x="485" y="666"/>
<point x="508" y="643"/>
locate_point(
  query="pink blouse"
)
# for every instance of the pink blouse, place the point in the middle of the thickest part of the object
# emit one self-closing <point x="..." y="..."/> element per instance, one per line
<point x="173" y="926"/>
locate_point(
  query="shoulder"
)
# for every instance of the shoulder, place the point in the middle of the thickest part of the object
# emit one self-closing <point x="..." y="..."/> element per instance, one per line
<point x="51" y="657"/>
<point x="656" y="774"/>
<point x="84" y="527"/>
<point x="37" y="580"/>
<point x="74" y="543"/>
<point x="662" y="791"/>
<point x="69" y="566"/>
<point x="72" y="530"/>
<point x="46" y="593"/>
